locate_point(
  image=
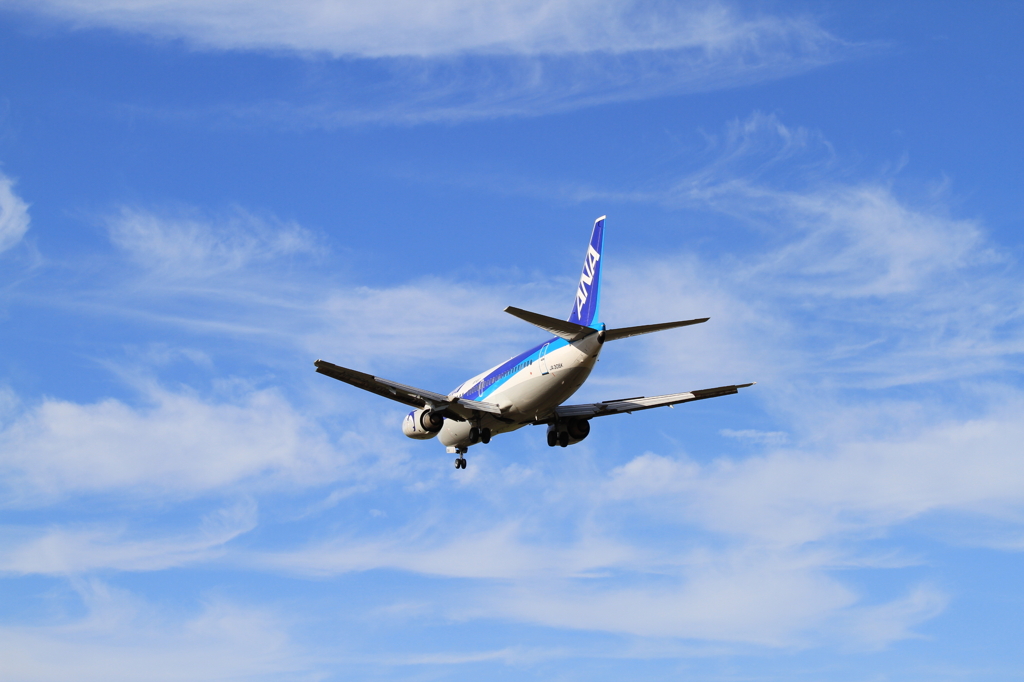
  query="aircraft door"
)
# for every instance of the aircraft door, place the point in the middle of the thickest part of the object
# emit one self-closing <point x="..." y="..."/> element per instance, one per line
<point x="543" y="359"/>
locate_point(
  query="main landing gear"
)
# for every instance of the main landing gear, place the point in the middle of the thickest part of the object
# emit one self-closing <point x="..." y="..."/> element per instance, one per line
<point x="558" y="438"/>
<point x="478" y="435"/>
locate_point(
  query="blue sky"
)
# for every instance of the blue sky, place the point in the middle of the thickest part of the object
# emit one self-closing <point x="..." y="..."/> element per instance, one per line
<point x="198" y="199"/>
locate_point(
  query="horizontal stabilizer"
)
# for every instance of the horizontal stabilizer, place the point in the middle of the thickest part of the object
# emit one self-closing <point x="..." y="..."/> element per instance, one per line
<point x="624" y="332"/>
<point x="636" y="404"/>
<point x="570" y="331"/>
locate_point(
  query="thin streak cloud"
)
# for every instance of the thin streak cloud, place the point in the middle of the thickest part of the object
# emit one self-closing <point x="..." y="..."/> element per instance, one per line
<point x="14" y="218"/>
<point x="75" y="550"/>
<point x="406" y="63"/>
<point x="399" y="28"/>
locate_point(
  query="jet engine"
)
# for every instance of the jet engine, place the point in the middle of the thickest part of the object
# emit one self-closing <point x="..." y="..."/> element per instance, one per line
<point x="422" y="424"/>
<point x="568" y="432"/>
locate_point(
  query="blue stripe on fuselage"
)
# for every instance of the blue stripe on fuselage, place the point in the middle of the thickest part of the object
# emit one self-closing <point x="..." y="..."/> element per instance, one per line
<point x="496" y="378"/>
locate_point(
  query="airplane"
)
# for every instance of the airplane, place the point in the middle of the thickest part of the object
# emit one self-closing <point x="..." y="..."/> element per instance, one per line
<point x="531" y="387"/>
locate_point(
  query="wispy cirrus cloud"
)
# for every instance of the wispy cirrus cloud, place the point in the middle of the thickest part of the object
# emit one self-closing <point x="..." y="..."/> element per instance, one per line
<point x="237" y="274"/>
<point x="407" y="63"/>
<point x="835" y="266"/>
<point x="748" y="551"/>
<point x="472" y="86"/>
<point x="14" y="218"/>
<point x="180" y="245"/>
<point x="755" y="436"/>
<point x="122" y="637"/>
<point x="502" y="552"/>
<point x="760" y="600"/>
<point x="799" y="495"/>
<point x="844" y="279"/>
<point x="76" y="550"/>
<point x="397" y="28"/>
<point x="851" y="289"/>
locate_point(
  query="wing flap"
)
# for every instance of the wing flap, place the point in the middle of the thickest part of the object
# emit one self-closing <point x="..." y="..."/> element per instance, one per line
<point x="412" y="391"/>
<point x="479" y="406"/>
<point x="368" y="382"/>
<point x="643" y="403"/>
<point x="408" y="395"/>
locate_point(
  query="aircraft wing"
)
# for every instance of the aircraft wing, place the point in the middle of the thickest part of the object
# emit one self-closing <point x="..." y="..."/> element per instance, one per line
<point x="409" y="395"/>
<point x="635" y="404"/>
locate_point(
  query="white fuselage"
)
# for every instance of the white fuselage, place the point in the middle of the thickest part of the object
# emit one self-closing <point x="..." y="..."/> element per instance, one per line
<point x="529" y="391"/>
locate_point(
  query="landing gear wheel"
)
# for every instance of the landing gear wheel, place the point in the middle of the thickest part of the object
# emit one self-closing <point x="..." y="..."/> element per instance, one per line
<point x="485" y="436"/>
<point x="552" y="439"/>
<point x="458" y="462"/>
<point x="462" y="463"/>
<point x="474" y="435"/>
<point x="563" y="439"/>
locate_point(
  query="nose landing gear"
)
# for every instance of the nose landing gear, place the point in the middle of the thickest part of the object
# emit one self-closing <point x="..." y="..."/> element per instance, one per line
<point x="477" y="434"/>
<point x="460" y="460"/>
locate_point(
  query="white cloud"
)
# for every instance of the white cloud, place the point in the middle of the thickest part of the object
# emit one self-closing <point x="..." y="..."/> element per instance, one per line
<point x="463" y="60"/>
<point x="877" y="626"/>
<point x="848" y="239"/>
<point x="763" y="600"/>
<point x="14" y="219"/>
<point x="845" y="481"/>
<point x="747" y="550"/>
<point x="855" y="288"/>
<point x="684" y="588"/>
<point x="470" y="87"/>
<point x="739" y="550"/>
<point x="860" y="240"/>
<point x="233" y="276"/>
<point x="123" y="638"/>
<point x="177" y="445"/>
<point x="420" y="324"/>
<point x="75" y="550"/>
<point x="840" y="284"/>
<point x="499" y="552"/>
<point x="403" y="28"/>
<point x="755" y="436"/>
<point x="196" y="246"/>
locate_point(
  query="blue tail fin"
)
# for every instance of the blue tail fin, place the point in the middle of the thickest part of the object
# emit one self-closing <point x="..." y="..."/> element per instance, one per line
<point x="585" y="310"/>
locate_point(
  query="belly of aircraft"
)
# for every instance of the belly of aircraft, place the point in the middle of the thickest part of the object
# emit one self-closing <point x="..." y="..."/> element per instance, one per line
<point x="534" y="398"/>
<point x="537" y="397"/>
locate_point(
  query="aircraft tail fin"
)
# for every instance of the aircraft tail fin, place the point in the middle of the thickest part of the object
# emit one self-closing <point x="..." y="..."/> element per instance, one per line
<point x="586" y="308"/>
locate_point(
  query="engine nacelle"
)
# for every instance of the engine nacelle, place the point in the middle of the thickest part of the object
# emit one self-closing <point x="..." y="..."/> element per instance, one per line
<point x="422" y="424"/>
<point x="578" y="429"/>
<point x="568" y="432"/>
